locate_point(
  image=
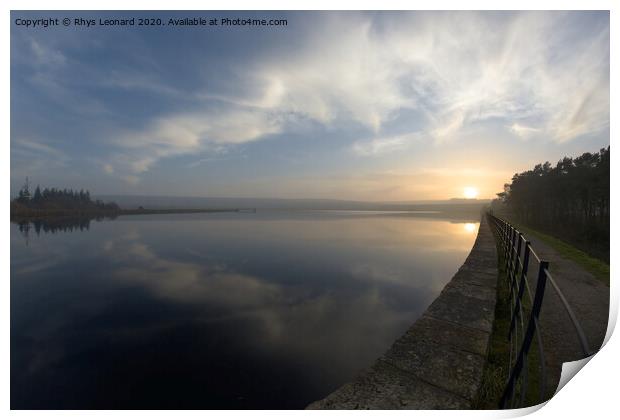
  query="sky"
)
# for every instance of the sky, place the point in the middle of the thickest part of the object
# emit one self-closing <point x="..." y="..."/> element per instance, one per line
<point x="377" y="106"/>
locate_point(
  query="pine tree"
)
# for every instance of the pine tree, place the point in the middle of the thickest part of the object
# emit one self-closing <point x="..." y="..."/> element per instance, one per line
<point x="37" y="195"/>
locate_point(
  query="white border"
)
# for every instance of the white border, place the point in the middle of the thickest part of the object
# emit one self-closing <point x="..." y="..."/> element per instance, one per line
<point x="590" y="394"/>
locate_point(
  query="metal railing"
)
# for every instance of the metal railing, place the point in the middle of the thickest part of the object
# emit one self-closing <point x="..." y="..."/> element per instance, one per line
<point x="525" y="310"/>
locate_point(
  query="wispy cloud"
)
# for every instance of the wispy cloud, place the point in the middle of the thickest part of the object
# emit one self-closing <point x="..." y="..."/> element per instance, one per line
<point x="524" y="131"/>
<point x="384" y="145"/>
<point x="38" y="149"/>
<point x="108" y="169"/>
<point x="446" y="66"/>
<point x="191" y="133"/>
<point x="30" y="157"/>
<point x="46" y="56"/>
<point x="132" y="81"/>
<point x="58" y="77"/>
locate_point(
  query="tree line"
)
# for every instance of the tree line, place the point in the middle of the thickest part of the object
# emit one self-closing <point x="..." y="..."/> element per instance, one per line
<point x="55" y="199"/>
<point x="570" y="199"/>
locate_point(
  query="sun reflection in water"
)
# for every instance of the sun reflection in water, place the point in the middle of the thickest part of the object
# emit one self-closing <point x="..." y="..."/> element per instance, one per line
<point x="470" y="227"/>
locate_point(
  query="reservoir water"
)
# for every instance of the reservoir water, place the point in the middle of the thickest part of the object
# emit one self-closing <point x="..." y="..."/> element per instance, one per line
<point x="230" y="310"/>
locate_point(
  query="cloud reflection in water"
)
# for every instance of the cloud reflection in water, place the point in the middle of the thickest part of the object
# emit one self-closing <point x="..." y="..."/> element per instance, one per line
<point x="248" y="311"/>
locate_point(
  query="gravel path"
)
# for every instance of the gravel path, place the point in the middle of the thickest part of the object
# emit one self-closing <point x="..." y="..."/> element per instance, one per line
<point x="588" y="297"/>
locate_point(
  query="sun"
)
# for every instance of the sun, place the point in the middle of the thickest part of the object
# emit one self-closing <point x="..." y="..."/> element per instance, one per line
<point x="470" y="227"/>
<point x="470" y="192"/>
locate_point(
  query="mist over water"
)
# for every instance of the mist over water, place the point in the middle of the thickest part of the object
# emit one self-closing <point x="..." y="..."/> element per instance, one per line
<point x="236" y="310"/>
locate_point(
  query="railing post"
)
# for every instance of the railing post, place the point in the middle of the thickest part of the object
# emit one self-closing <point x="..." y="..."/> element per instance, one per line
<point x="506" y="242"/>
<point x="508" y="239"/>
<point x="510" y="251"/>
<point x="515" y="270"/>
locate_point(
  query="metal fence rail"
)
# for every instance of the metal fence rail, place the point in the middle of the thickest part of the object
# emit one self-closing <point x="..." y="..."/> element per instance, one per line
<point x="525" y="311"/>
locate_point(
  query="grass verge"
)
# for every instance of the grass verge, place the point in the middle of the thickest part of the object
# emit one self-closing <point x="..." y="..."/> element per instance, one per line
<point x="596" y="267"/>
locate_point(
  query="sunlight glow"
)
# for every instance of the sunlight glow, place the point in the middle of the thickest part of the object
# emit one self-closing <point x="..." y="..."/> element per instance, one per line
<point x="470" y="227"/>
<point x="470" y="192"/>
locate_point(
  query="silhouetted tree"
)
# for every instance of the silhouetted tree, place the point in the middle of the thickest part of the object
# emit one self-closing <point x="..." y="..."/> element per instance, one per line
<point x="37" y="195"/>
<point x="24" y="193"/>
<point x="54" y="199"/>
<point x="571" y="198"/>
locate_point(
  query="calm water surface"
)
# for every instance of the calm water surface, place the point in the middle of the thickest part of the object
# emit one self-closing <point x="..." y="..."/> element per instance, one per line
<point x="265" y="310"/>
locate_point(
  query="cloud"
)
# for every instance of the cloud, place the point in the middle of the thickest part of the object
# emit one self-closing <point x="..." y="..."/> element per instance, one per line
<point x="30" y="157"/>
<point x="131" y="179"/>
<point x="48" y="66"/>
<point x="126" y="80"/>
<point x="452" y="70"/>
<point x="384" y="145"/>
<point x="184" y="134"/>
<point x="46" y="56"/>
<point x="39" y="149"/>
<point x="108" y="169"/>
<point x="327" y="82"/>
<point x="345" y="70"/>
<point x="523" y="131"/>
<point x="449" y="128"/>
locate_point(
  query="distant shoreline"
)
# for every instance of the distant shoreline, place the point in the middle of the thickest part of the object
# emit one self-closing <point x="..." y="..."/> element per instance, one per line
<point x="173" y="211"/>
<point x="33" y="214"/>
<point x="24" y="214"/>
